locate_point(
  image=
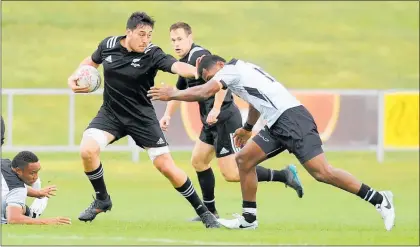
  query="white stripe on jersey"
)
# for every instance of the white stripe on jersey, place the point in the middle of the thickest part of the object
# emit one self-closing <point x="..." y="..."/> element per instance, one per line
<point x="258" y="88"/>
<point x="149" y="47"/>
<point x="111" y="42"/>
<point x="197" y="48"/>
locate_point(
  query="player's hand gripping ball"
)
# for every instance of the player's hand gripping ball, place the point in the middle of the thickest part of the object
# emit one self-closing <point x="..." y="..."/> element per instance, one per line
<point x="89" y="76"/>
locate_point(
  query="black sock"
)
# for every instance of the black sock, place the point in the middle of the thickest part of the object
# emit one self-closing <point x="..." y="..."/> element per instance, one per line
<point x="207" y="184"/>
<point x="249" y="211"/>
<point x="187" y="190"/>
<point x="370" y="195"/>
<point x="96" y="178"/>
<point x="264" y="174"/>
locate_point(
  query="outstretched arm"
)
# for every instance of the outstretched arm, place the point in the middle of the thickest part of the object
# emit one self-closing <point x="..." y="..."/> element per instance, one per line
<point x="197" y="93"/>
<point x="45" y="192"/>
<point x="184" y="69"/>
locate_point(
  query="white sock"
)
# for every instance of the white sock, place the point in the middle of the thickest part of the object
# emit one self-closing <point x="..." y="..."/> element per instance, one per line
<point x="250" y="211"/>
<point x="39" y="205"/>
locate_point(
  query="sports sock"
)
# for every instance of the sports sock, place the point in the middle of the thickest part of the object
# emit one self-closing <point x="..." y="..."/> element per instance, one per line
<point x="370" y="195"/>
<point x="96" y="178"/>
<point x="249" y="211"/>
<point x="207" y="184"/>
<point x="264" y="174"/>
<point x="187" y="190"/>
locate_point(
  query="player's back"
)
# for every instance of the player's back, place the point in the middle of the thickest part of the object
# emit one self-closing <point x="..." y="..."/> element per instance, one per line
<point x="261" y="90"/>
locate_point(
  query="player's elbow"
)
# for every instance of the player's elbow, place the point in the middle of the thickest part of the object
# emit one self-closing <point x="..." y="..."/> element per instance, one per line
<point x="206" y="94"/>
<point x="14" y="219"/>
<point x="88" y="61"/>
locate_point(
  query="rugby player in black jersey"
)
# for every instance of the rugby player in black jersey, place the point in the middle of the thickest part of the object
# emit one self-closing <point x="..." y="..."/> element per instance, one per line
<point x="130" y="64"/>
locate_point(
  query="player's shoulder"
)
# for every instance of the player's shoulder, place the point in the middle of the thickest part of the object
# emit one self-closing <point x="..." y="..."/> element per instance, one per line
<point x="111" y="41"/>
<point x="5" y="164"/>
<point x="197" y="51"/>
<point x="153" y="48"/>
<point x="10" y="178"/>
<point x="232" y="65"/>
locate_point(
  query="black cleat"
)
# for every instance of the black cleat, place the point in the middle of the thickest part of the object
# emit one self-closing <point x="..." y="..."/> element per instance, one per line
<point x="293" y="180"/>
<point x="198" y="219"/>
<point x="209" y="220"/>
<point x="96" y="207"/>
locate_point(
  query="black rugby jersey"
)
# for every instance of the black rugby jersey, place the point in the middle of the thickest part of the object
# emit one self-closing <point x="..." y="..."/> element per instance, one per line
<point x="127" y="78"/>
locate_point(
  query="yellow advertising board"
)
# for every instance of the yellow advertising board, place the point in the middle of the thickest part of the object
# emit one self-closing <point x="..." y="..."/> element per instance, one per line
<point x="401" y="119"/>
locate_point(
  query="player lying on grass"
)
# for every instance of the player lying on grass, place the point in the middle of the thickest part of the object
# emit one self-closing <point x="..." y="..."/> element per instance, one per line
<point x="289" y="127"/>
<point x="220" y="118"/>
<point x="19" y="179"/>
<point x="130" y="64"/>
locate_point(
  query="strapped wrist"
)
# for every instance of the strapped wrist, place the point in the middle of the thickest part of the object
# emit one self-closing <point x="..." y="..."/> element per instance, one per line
<point x="248" y="127"/>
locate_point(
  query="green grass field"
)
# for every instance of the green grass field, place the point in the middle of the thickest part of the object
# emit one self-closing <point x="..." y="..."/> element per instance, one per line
<point x="303" y="44"/>
<point x="319" y="45"/>
<point x="147" y="210"/>
<point x="363" y="45"/>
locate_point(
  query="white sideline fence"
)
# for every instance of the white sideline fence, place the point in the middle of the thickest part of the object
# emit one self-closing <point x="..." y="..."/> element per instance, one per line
<point x="380" y="148"/>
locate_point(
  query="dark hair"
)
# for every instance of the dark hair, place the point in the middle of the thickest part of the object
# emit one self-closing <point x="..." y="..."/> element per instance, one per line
<point x="183" y="25"/>
<point x="139" y="19"/>
<point x="207" y="62"/>
<point x="23" y="158"/>
<point x="3" y="129"/>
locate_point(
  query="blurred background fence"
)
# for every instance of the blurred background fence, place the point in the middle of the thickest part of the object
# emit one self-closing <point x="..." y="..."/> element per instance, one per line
<point x="348" y="120"/>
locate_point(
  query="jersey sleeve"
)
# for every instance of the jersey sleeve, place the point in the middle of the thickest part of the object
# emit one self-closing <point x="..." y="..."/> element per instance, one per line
<point x="181" y="84"/>
<point x="228" y="76"/>
<point x="97" y="54"/>
<point x="163" y="61"/>
<point x="16" y="197"/>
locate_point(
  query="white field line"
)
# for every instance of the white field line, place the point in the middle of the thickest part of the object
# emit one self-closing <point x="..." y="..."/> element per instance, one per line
<point x="114" y="238"/>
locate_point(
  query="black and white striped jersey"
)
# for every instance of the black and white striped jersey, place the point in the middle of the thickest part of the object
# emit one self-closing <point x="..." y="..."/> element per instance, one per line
<point x="228" y="107"/>
<point x="258" y="88"/>
<point x="128" y="76"/>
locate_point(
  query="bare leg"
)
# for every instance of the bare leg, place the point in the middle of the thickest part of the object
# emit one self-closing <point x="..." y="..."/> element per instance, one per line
<point x="323" y="172"/>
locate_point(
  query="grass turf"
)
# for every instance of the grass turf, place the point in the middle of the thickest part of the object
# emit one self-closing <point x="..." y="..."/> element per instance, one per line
<point x="147" y="210"/>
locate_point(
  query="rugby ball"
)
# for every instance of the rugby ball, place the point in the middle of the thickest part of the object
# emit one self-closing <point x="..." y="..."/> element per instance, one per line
<point x="90" y="77"/>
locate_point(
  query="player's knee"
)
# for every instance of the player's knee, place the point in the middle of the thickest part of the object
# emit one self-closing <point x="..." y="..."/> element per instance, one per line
<point x="93" y="141"/>
<point x="164" y="163"/>
<point x="164" y="168"/>
<point x="89" y="152"/>
<point x="241" y="161"/>
<point x="198" y="164"/>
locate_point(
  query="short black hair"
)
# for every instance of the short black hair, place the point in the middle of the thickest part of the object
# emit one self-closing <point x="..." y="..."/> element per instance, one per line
<point x="3" y="129"/>
<point x="207" y="62"/>
<point x="182" y="25"/>
<point x="139" y="19"/>
<point x="22" y="159"/>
